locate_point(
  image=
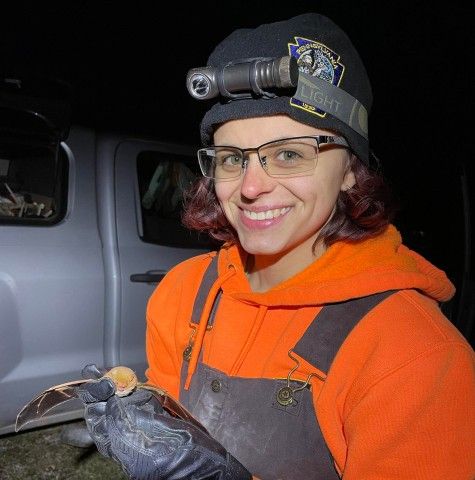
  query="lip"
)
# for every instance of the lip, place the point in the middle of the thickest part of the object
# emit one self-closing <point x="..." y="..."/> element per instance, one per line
<point x="256" y="224"/>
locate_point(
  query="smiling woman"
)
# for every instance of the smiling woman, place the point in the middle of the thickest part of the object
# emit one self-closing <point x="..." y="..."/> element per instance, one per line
<point x="311" y="345"/>
<point x="325" y="203"/>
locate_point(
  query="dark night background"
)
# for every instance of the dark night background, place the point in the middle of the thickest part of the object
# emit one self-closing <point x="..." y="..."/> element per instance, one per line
<point x="127" y="64"/>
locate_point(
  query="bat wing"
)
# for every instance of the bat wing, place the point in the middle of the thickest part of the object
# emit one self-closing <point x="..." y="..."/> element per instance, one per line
<point x="46" y="401"/>
<point x="172" y="406"/>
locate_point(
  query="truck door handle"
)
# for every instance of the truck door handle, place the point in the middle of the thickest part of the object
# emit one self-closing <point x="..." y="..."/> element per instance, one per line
<point x="152" y="276"/>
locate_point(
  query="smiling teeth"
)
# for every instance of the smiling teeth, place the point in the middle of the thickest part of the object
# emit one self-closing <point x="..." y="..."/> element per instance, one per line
<point x="267" y="215"/>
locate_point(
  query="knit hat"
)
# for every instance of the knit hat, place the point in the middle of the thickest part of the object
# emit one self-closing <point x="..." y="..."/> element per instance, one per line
<point x="333" y="90"/>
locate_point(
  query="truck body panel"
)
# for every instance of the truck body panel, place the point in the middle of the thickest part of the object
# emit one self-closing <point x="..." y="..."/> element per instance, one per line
<point x="66" y="294"/>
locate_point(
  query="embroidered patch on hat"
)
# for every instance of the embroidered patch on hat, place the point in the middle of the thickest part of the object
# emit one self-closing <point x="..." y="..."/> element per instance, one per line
<point x="316" y="59"/>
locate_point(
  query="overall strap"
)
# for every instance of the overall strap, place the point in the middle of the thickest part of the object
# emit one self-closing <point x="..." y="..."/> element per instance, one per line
<point x="209" y="277"/>
<point x="325" y="335"/>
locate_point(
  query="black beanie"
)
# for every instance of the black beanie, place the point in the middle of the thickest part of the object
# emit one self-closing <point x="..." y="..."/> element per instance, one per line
<point x="322" y="49"/>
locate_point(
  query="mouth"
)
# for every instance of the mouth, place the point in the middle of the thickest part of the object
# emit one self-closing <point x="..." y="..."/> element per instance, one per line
<point x="266" y="214"/>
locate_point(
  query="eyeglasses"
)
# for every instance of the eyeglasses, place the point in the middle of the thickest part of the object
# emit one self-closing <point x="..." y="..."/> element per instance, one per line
<point x="289" y="157"/>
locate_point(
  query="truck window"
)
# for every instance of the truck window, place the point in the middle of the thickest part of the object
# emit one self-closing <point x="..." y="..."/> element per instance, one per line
<point x="162" y="179"/>
<point x="33" y="183"/>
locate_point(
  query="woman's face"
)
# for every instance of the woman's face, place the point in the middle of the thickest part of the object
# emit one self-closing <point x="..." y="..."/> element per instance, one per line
<point x="273" y="216"/>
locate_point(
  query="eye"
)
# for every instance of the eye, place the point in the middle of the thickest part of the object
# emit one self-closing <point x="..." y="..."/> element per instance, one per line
<point x="288" y="156"/>
<point x="229" y="160"/>
<point x="232" y="160"/>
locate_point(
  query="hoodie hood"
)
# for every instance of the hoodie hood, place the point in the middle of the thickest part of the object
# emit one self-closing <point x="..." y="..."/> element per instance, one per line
<point x="346" y="270"/>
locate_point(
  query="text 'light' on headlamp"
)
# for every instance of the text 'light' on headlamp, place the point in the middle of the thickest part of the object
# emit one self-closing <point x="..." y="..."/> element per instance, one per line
<point x="243" y="78"/>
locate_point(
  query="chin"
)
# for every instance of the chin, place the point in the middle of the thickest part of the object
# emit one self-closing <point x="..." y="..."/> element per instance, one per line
<point x="271" y="246"/>
<point x="263" y="248"/>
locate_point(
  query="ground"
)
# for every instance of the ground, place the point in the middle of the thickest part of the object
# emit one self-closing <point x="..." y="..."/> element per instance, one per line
<point x="39" y="455"/>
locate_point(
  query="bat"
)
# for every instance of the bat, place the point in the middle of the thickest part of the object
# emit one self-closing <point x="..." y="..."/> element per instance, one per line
<point x="125" y="381"/>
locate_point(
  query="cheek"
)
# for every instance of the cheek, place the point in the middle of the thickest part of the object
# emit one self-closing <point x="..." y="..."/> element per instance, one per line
<point x="316" y="189"/>
<point x="320" y="196"/>
<point x="224" y="192"/>
<point x="331" y="189"/>
<point x="221" y="192"/>
<point x="330" y="184"/>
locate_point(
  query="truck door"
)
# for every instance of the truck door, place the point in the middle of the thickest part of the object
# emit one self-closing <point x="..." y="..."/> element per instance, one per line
<point x="149" y="180"/>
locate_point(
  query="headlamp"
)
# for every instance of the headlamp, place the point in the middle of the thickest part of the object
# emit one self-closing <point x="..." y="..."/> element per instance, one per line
<point x="243" y="78"/>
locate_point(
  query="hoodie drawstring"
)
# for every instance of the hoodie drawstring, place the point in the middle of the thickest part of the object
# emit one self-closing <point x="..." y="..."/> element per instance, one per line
<point x="250" y="339"/>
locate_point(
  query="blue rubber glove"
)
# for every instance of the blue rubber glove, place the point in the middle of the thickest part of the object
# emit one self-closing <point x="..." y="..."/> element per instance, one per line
<point x="147" y="441"/>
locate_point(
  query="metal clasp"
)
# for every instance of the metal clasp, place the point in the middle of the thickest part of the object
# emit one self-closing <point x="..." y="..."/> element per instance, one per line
<point x="189" y="348"/>
<point x="285" y="395"/>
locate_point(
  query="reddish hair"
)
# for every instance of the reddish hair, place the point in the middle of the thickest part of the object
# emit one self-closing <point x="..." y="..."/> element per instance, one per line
<point x="362" y="211"/>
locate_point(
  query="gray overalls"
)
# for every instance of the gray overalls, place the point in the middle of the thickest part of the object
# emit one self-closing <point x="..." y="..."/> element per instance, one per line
<point x="270" y="425"/>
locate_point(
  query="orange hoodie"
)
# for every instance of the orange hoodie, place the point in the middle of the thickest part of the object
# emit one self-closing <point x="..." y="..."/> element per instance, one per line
<point x="398" y="401"/>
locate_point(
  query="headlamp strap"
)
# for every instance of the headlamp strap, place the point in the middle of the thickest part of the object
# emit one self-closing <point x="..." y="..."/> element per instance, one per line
<point x="315" y="92"/>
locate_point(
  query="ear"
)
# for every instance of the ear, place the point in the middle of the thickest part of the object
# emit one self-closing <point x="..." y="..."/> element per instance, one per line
<point x="349" y="181"/>
<point x="349" y="178"/>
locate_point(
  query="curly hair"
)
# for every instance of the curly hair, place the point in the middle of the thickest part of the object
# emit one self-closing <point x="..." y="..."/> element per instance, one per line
<point x="361" y="212"/>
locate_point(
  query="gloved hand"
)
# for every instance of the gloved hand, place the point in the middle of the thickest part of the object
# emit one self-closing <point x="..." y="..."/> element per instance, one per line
<point x="147" y="441"/>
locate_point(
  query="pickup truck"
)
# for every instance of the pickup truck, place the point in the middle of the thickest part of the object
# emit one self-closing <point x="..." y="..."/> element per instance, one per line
<point x="89" y="224"/>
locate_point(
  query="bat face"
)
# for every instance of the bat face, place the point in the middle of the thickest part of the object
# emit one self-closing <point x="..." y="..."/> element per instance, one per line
<point x="125" y="380"/>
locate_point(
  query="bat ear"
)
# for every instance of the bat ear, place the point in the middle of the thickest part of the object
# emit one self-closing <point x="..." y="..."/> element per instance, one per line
<point x="92" y="372"/>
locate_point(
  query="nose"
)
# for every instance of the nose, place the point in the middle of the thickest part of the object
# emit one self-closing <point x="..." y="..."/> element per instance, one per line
<point x="255" y="180"/>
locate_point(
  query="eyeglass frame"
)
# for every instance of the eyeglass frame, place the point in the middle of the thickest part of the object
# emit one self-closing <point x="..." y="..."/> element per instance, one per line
<point x="320" y="139"/>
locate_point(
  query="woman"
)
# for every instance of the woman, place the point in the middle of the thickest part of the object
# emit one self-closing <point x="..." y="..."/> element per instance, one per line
<point x="312" y="344"/>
